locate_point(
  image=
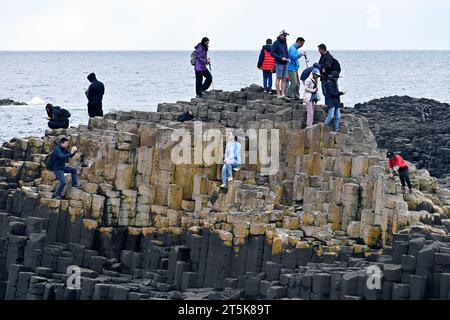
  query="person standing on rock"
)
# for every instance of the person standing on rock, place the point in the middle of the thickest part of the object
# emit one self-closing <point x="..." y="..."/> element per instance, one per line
<point x="60" y="156"/>
<point x="95" y="96"/>
<point x="398" y="165"/>
<point x="266" y="63"/>
<point x="293" y="67"/>
<point x="311" y="95"/>
<point x="232" y="160"/>
<point x="200" y="62"/>
<point x="280" y="52"/>
<point x="333" y="99"/>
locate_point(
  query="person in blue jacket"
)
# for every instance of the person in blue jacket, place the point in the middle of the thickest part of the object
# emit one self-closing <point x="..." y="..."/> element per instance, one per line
<point x="333" y="100"/>
<point x="232" y="161"/>
<point x="293" y="67"/>
<point x="279" y="51"/>
<point x="60" y="156"/>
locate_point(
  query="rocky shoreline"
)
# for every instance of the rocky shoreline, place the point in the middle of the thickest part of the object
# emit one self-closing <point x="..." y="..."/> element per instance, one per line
<point x="419" y="128"/>
<point x="9" y="102"/>
<point x="141" y="227"/>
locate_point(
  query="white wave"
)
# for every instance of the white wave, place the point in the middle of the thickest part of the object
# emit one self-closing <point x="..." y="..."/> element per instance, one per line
<point x="36" y="101"/>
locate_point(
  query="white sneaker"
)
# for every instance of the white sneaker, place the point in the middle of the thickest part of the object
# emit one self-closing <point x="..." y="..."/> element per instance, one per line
<point x="236" y="169"/>
<point x="230" y="179"/>
<point x="223" y="186"/>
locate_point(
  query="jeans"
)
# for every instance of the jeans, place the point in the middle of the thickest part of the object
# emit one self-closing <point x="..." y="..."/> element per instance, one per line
<point x="62" y="179"/>
<point x="227" y="172"/>
<point x="404" y="177"/>
<point x="201" y="86"/>
<point x="336" y="114"/>
<point x="294" y="87"/>
<point x="267" y="80"/>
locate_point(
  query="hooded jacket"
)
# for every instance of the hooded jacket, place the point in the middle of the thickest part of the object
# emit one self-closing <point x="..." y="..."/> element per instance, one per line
<point x="60" y="157"/>
<point x="96" y="91"/>
<point x="279" y="51"/>
<point x="294" y="56"/>
<point x="233" y="153"/>
<point x="202" y="58"/>
<point x="332" y="93"/>
<point x="310" y="86"/>
<point x="266" y="62"/>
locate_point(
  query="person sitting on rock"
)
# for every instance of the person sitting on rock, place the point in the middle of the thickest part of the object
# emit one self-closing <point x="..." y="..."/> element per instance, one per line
<point x="333" y="100"/>
<point x="187" y="116"/>
<point x="266" y="63"/>
<point x="58" y="117"/>
<point x="60" y="156"/>
<point x="232" y="160"/>
<point x="311" y="95"/>
<point x="398" y="166"/>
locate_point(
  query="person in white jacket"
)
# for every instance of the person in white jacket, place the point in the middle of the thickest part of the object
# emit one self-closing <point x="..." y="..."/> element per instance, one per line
<point x="311" y="95"/>
<point x="232" y="161"/>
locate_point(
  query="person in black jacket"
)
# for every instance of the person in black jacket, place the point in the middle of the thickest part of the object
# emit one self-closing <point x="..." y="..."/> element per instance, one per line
<point x="95" y="96"/>
<point x="280" y="52"/>
<point x="58" y="118"/>
<point x="333" y="100"/>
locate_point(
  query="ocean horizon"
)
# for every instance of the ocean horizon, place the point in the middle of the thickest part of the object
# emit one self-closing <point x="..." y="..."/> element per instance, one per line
<point x="140" y="80"/>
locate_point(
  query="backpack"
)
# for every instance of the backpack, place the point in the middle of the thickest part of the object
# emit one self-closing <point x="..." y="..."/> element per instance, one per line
<point x="65" y="113"/>
<point x="194" y="57"/>
<point x="49" y="161"/>
<point x="336" y="66"/>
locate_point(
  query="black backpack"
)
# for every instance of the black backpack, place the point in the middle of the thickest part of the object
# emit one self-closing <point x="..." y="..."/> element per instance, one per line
<point x="49" y="161"/>
<point x="336" y="66"/>
<point x="65" y="113"/>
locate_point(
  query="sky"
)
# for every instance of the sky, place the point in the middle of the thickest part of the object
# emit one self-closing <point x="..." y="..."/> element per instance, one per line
<point x="230" y="24"/>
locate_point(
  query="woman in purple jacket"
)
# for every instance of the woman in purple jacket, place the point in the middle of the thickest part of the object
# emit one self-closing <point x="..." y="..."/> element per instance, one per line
<point x="200" y="67"/>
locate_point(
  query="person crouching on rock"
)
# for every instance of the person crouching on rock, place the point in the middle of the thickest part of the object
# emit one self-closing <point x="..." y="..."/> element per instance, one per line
<point x="58" y="117"/>
<point x="311" y="95"/>
<point x="232" y="160"/>
<point x="333" y="100"/>
<point x="397" y="165"/>
<point x="60" y="156"/>
<point x="201" y="71"/>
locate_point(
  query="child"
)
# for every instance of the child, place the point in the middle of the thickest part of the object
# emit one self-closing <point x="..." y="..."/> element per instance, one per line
<point x="266" y="63"/>
<point x="333" y="100"/>
<point x="311" y="95"/>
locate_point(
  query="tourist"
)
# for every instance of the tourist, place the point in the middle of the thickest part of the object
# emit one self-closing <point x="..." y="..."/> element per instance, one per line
<point x="398" y="166"/>
<point x="333" y="99"/>
<point x="266" y="63"/>
<point x="186" y="116"/>
<point x="307" y="72"/>
<point x="58" y="118"/>
<point x="232" y="160"/>
<point x="293" y="67"/>
<point x="311" y="95"/>
<point x="201" y="70"/>
<point x="95" y="96"/>
<point x="280" y="52"/>
<point x="60" y="156"/>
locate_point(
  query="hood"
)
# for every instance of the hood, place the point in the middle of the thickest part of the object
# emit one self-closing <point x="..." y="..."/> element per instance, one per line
<point x="92" y="77"/>
<point x="267" y="47"/>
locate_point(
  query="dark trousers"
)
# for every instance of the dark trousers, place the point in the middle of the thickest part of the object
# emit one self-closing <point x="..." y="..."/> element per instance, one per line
<point x="201" y="86"/>
<point x="58" y="124"/>
<point x="95" y="110"/>
<point x="62" y="179"/>
<point x="267" y="80"/>
<point x="404" y="177"/>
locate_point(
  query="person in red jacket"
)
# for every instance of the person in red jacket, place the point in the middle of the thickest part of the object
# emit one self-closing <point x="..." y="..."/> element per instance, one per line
<point x="398" y="165"/>
<point x="266" y="63"/>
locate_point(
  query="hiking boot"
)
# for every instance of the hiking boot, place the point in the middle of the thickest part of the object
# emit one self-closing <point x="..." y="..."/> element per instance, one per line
<point x="198" y="97"/>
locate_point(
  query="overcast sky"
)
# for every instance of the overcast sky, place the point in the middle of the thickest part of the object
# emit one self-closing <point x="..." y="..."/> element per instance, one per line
<point x="230" y="24"/>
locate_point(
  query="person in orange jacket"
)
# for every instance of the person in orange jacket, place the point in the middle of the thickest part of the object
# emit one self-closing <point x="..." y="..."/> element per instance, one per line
<point x="397" y="165"/>
<point x="266" y="63"/>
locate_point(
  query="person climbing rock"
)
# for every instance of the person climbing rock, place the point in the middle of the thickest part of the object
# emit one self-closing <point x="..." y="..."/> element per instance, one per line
<point x="398" y="166"/>
<point x="58" y="118"/>
<point x="293" y="68"/>
<point x="60" y="156"/>
<point x="311" y="95"/>
<point x="266" y="63"/>
<point x="232" y="161"/>
<point x="200" y="62"/>
<point x="333" y="99"/>
<point x="95" y="96"/>
<point x="280" y="52"/>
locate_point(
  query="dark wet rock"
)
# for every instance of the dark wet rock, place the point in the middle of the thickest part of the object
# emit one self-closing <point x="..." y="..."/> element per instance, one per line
<point x="9" y="102"/>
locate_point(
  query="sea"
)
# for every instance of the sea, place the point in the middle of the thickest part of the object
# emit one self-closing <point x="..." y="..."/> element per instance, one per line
<point x="142" y="80"/>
